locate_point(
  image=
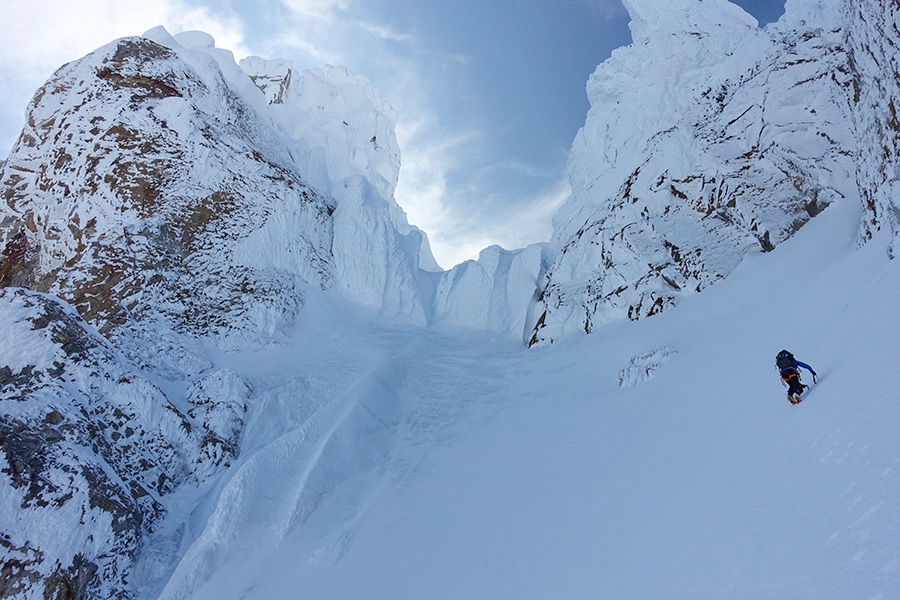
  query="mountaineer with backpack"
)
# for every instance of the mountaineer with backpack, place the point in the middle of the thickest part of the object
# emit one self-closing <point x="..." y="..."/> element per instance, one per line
<point x="789" y="368"/>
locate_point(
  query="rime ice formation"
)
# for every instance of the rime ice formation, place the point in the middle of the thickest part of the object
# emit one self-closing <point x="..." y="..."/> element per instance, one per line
<point x="873" y="38"/>
<point x="707" y="138"/>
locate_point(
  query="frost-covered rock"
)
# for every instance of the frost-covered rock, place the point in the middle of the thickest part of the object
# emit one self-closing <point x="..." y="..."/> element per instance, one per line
<point x="136" y="186"/>
<point x="89" y="448"/>
<point x="707" y="138"/>
<point x="218" y="402"/>
<point x="641" y="367"/>
<point x="873" y="33"/>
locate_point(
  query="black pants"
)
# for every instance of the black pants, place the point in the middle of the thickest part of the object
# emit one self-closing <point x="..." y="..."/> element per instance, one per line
<point x="792" y="377"/>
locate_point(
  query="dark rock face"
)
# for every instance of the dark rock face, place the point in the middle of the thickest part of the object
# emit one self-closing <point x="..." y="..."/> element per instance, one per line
<point x="87" y="448"/>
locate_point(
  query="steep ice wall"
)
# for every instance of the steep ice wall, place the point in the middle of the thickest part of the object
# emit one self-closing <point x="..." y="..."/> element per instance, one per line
<point x="707" y="138"/>
<point x="493" y="293"/>
<point x="373" y="262"/>
<point x="339" y="126"/>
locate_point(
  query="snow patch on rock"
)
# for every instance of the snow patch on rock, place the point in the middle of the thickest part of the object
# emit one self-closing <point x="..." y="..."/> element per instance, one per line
<point x="641" y="367"/>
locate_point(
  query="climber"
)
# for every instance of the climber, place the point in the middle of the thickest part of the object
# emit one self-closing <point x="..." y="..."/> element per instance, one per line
<point x="789" y="368"/>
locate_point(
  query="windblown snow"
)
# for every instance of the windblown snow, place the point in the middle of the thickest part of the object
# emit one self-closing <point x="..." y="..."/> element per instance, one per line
<point x="391" y="463"/>
<point x="231" y="368"/>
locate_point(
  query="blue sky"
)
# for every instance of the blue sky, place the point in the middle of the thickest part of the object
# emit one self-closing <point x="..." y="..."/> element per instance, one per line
<point x="490" y="94"/>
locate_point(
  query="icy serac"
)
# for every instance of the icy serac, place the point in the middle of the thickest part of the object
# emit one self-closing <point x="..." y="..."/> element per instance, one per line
<point x="341" y="134"/>
<point x="707" y="138"/>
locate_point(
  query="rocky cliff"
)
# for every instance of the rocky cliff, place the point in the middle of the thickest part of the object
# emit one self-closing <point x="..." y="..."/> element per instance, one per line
<point x="90" y="446"/>
<point x="873" y="37"/>
<point x="707" y="139"/>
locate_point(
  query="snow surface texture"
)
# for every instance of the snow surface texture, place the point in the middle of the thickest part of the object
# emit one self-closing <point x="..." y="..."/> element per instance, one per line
<point x="246" y="403"/>
<point x="395" y="463"/>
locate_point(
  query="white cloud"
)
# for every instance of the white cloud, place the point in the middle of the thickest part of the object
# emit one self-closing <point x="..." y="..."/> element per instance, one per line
<point x="385" y="33"/>
<point x="457" y="234"/>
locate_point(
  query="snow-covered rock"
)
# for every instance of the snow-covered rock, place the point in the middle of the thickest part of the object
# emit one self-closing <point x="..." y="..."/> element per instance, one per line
<point x="135" y="186"/>
<point x="707" y="138"/>
<point x="155" y="187"/>
<point x="873" y="33"/>
<point x="641" y="367"/>
<point x="90" y="447"/>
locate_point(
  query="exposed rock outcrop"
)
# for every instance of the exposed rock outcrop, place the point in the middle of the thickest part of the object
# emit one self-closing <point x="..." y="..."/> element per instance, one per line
<point x="707" y="138"/>
<point x="89" y="446"/>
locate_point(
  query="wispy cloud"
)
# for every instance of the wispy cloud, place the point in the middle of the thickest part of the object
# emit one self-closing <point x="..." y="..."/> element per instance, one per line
<point x="385" y="33"/>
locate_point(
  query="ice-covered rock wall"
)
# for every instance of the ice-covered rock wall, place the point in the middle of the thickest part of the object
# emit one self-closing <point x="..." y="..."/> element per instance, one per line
<point x="707" y="138"/>
<point x="90" y="446"/>
<point x="873" y="31"/>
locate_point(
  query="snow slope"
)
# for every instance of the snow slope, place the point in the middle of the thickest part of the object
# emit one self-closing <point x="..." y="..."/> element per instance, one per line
<point x="401" y="463"/>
